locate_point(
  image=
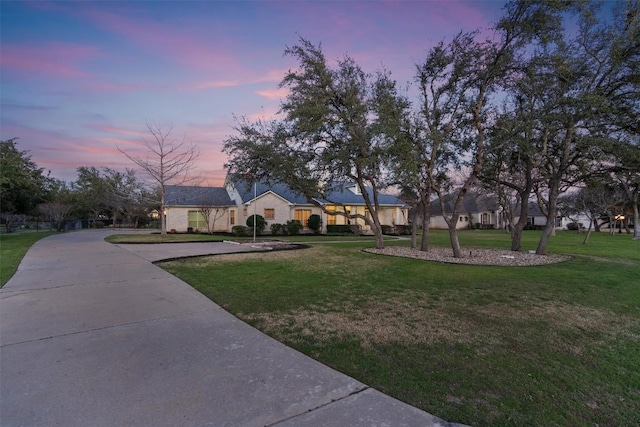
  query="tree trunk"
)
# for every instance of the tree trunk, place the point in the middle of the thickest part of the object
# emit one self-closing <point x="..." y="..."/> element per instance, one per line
<point x="550" y="228"/>
<point x="588" y="233"/>
<point x="518" y="227"/>
<point x="426" y="216"/>
<point x="379" y="237"/>
<point x="636" y="215"/>
<point x="163" y="221"/>
<point x="516" y="238"/>
<point x="455" y="243"/>
<point x="414" y="228"/>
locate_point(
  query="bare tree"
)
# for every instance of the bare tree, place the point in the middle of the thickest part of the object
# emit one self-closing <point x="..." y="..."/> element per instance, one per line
<point x="170" y="162"/>
<point x="210" y="213"/>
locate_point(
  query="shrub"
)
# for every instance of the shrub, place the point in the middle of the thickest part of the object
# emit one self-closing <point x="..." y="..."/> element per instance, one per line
<point x="315" y="223"/>
<point x="260" y="223"/>
<point x="403" y="230"/>
<point x="240" y="231"/>
<point x="338" y="229"/>
<point x="387" y="229"/>
<point x="276" y="228"/>
<point x="575" y="226"/>
<point x="294" y="227"/>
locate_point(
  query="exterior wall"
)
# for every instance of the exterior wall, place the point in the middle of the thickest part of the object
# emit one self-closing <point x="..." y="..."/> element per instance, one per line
<point x="437" y="222"/>
<point x="178" y="219"/>
<point x="393" y="216"/>
<point x="465" y="220"/>
<point x="282" y="210"/>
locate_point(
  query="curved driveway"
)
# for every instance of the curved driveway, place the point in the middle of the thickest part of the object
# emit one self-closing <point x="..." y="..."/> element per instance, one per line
<point x="92" y="334"/>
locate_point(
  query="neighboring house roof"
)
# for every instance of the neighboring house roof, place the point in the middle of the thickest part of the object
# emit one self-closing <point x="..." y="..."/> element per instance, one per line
<point x="478" y="203"/>
<point x="472" y="203"/>
<point x="177" y="195"/>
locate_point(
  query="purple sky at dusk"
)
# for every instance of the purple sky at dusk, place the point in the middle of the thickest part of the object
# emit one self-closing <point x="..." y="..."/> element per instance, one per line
<point x="79" y="78"/>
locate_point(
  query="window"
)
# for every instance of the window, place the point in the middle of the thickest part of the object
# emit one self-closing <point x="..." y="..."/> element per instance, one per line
<point x="331" y="219"/>
<point x="302" y="215"/>
<point x="196" y="220"/>
<point x="232" y="217"/>
<point x="484" y="219"/>
<point x="269" y="214"/>
<point x="244" y="212"/>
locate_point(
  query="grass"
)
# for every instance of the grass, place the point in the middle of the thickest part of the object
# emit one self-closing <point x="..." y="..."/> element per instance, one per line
<point x="548" y="345"/>
<point x="13" y="247"/>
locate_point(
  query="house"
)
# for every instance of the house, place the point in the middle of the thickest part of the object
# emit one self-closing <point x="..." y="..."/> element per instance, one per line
<point x="234" y="203"/>
<point x="276" y="203"/>
<point x="477" y="211"/>
<point x="483" y="211"/>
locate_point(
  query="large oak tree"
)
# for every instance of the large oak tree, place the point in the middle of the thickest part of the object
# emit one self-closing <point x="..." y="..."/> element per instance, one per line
<point x="337" y="125"/>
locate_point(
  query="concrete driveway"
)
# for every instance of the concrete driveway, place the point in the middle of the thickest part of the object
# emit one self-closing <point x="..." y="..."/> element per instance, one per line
<point x="94" y="334"/>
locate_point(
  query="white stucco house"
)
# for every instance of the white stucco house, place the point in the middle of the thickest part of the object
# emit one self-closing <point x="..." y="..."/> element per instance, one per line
<point x="482" y="211"/>
<point x="238" y="199"/>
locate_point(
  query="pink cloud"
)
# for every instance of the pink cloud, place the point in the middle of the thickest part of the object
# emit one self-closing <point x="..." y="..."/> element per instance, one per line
<point x="117" y="130"/>
<point x="116" y="87"/>
<point x="265" y="114"/>
<point x="213" y="84"/>
<point x="249" y="78"/>
<point x="273" y="94"/>
<point x="164" y="41"/>
<point x="51" y="58"/>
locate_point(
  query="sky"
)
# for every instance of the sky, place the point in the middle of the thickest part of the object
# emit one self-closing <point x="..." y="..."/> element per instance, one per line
<point x="80" y="79"/>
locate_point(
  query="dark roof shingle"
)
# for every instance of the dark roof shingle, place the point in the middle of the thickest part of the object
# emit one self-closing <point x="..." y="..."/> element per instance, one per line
<point x="177" y="195"/>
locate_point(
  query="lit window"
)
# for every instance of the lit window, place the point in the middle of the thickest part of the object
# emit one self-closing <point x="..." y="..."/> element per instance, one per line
<point x="269" y="214"/>
<point x="232" y="217"/>
<point x="331" y="217"/>
<point x="196" y="220"/>
<point x="302" y="215"/>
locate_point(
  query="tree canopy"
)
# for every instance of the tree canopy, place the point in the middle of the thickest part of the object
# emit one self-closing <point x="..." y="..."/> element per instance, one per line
<point x="22" y="183"/>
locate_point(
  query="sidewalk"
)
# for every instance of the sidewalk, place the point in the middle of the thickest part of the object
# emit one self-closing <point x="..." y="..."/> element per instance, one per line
<point x="92" y="334"/>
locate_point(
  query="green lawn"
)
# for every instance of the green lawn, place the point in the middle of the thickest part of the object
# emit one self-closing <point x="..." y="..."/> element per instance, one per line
<point x="549" y="345"/>
<point x="13" y="247"/>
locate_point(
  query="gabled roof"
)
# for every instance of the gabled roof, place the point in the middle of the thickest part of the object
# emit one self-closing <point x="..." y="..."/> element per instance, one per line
<point x="177" y="195"/>
<point x="340" y="194"/>
<point x="246" y="190"/>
